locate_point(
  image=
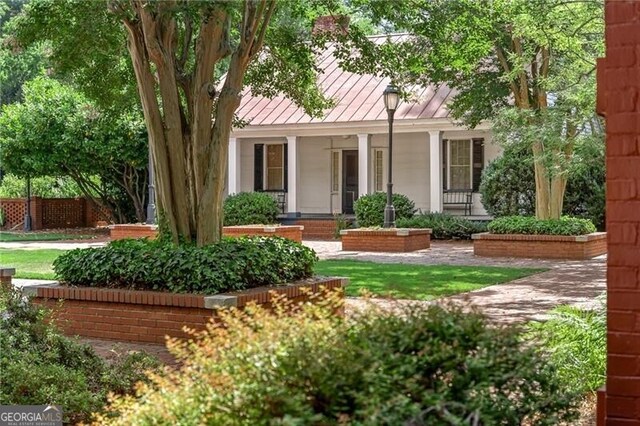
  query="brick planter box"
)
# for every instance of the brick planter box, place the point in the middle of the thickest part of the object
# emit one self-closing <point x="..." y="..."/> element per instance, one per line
<point x="292" y="232"/>
<point x="385" y="240"/>
<point x="141" y="230"/>
<point x="540" y="246"/>
<point x="6" y="274"/>
<point x="146" y="316"/>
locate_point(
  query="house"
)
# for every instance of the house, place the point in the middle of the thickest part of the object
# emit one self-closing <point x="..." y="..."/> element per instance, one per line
<point x="320" y="166"/>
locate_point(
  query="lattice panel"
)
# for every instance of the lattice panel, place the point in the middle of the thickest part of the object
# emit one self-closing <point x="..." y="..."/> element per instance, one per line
<point x="14" y="210"/>
<point x="63" y="213"/>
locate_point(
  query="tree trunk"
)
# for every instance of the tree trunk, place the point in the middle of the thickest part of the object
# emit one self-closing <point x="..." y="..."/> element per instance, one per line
<point x="543" y="187"/>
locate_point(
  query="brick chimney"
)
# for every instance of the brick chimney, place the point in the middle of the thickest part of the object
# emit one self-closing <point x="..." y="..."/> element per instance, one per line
<point x="331" y="24"/>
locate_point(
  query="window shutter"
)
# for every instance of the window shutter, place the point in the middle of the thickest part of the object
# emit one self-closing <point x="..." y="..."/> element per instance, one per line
<point x="444" y="163"/>
<point x="478" y="162"/>
<point x="285" y="166"/>
<point x="258" y="167"/>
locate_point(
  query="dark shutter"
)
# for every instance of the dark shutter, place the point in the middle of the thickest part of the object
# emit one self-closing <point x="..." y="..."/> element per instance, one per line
<point x="285" y="166"/>
<point x="444" y="163"/>
<point x="478" y="162"/>
<point x="258" y="167"/>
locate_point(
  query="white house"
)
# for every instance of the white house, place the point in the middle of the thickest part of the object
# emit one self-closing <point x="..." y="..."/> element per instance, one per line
<point x="321" y="166"/>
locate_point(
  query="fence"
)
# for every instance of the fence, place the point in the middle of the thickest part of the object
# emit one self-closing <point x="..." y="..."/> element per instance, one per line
<point x="51" y="213"/>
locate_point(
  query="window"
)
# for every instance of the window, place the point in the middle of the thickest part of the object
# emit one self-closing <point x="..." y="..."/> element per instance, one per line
<point x="378" y="167"/>
<point x="275" y="167"/>
<point x="460" y="164"/>
<point x="335" y="171"/>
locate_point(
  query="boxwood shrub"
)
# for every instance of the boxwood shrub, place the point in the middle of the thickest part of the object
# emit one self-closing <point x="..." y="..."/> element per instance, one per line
<point x="530" y="225"/>
<point x="231" y="264"/>
<point x="250" y="208"/>
<point x="369" y="209"/>
<point x="443" y="226"/>
<point x="429" y="365"/>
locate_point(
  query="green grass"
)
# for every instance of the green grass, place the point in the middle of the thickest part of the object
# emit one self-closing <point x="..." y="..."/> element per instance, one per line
<point x="7" y="237"/>
<point x="420" y="282"/>
<point x="34" y="264"/>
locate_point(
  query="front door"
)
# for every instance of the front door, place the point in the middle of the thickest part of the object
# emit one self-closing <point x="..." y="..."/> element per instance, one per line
<point x="349" y="180"/>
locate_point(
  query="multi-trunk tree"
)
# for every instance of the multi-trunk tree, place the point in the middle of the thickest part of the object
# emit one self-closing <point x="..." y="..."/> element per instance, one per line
<point x="192" y="61"/>
<point x="533" y="58"/>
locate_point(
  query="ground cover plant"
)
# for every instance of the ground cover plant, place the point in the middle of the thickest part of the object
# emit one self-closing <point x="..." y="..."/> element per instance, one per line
<point x="530" y="225"/>
<point x="575" y="340"/>
<point x="41" y="366"/>
<point x="429" y="366"/>
<point x="250" y="208"/>
<point x="421" y="282"/>
<point x="35" y="264"/>
<point x="228" y="265"/>
<point x="443" y="226"/>
<point x="369" y="209"/>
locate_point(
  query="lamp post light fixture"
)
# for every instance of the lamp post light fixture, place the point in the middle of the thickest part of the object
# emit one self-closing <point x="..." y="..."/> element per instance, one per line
<point x="391" y="100"/>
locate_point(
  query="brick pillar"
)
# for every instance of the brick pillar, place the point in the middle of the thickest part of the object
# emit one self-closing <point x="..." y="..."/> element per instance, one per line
<point x="618" y="101"/>
<point x="36" y="213"/>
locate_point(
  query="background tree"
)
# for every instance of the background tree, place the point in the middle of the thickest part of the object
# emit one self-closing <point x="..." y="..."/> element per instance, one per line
<point x="177" y="50"/>
<point x="57" y="132"/>
<point x="535" y="56"/>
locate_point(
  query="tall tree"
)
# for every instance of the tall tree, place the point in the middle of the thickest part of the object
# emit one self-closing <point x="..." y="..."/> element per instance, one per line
<point x="177" y="50"/>
<point x="537" y="56"/>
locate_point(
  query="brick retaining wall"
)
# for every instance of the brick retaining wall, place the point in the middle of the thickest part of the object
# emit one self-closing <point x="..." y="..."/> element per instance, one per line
<point x="385" y="240"/>
<point x="540" y="246"/>
<point x="145" y="316"/>
<point x="141" y="230"/>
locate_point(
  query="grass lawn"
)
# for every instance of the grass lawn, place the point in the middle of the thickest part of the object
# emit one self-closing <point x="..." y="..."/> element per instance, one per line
<point x="30" y="263"/>
<point x="6" y="236"/>
<point x="420" y="282"/>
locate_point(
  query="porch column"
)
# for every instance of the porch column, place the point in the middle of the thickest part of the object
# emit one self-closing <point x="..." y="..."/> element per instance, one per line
<point x="234" y="166"/>
<point x="292" y="174"/>
<point x="364" y="157"/>
<point x="435" y="156"/>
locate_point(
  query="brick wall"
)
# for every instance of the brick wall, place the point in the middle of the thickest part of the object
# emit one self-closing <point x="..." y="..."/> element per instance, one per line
<point x="618" y="89"/>
<point x="318" y="229"/>
<point x="385" y="240"/>
<point x="52" y="213"/>
<point x="145" y="316"/>
<point x="293" y="232"/>
<point x="540" y="246"/>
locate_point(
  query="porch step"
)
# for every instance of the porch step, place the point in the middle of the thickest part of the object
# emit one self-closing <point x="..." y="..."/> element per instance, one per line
<point x="317" y="229"/>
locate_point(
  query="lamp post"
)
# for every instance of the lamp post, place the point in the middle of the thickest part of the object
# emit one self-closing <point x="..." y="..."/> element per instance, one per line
<point x="151" y="205"/>
<point x="27" y="214"/>
<point x="391" y="99"/>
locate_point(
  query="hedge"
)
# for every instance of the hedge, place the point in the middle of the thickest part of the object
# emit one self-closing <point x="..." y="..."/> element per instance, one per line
<point x="231" y="264"/>
<point x="533" y="226"/>
<point x="250" y="208"/>
<point x="369" y="209"/>
<point x="444" y="226"/>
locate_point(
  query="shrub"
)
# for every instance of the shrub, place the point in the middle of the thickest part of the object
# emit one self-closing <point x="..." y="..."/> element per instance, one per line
<point x="40" y="366"/>
<point x="508" y="184"/>
<point x="575" y="339"/>
<point x="531" y="225"/>
<point x="428" y="366"/>
<point x="231" y="264"/>
<point x="250" y="208"/>
<point x="369" y="208"/>
<point x="444" y="226"/>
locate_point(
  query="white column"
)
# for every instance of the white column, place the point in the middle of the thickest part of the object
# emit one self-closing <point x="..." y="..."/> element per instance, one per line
<point x="234" y="166"/>
<point x="364" y="159"/>
<point x="292" y="177"/>
<point x="435" y="156"/>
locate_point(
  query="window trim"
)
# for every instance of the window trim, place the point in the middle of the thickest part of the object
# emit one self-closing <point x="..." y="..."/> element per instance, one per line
<point x="265" y="177"/>
<point x="470" y="141"/>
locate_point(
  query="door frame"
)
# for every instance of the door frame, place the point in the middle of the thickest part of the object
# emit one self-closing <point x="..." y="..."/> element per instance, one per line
<point x="343" y="180"/>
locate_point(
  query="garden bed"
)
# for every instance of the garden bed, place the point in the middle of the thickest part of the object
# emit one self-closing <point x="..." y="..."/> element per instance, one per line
<point x="141" y="230"/>
<point x="147" y="316"/>
<point x="385" y="240"/>
<point x="540" y="246"/>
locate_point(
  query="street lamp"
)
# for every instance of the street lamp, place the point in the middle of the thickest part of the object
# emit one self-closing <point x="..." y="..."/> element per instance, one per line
<point x="391" y="99"/>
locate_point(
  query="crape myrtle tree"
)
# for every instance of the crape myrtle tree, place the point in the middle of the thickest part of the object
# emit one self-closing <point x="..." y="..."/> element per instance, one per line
<point x="191" y="61"/>
<point x="531" y="63"/>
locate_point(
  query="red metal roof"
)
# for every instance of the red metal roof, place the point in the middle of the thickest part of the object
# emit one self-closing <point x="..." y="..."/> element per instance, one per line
<point x="357" y="98"/>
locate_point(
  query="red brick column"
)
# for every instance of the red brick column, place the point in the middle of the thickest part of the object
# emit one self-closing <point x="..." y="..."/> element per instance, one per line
<point x="36" y="213"/>
<point x="618" y="101"/>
